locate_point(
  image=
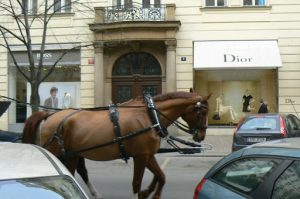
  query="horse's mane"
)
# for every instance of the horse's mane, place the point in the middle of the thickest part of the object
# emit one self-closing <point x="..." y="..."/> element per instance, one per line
<point x="162" y="97"/>
<point x="173" y="95"/>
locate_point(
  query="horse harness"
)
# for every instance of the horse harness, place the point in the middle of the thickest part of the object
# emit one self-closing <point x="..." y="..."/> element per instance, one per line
<point x="114" y="117"/>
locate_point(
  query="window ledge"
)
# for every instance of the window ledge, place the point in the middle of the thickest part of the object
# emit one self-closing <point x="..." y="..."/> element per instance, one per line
<point x="227" y="8"/>
<point x="58" y="14"/>
<point x="64" y="14"/>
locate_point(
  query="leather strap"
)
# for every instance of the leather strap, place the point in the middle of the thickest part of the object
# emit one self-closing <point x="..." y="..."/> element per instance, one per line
<point x="114" y="118"/>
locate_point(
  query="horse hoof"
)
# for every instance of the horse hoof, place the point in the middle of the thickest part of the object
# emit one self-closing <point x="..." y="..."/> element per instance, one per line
<point x="143" y="194"/>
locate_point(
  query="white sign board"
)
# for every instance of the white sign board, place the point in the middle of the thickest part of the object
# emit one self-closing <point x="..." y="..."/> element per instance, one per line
<point x="236" y="54"/>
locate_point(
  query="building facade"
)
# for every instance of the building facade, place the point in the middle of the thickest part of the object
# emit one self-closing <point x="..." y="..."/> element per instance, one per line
<point x="241" y="51"/>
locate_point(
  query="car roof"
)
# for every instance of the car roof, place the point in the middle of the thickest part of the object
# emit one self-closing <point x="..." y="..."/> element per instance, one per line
<point x="264" y="114"/>
<point x="26" y="160"/>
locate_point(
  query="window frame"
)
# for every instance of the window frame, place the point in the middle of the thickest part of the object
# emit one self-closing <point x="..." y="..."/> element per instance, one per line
<point x="144" y="3"/>
<point x="216" y="4"/>
<point x="254" y="3"/>
<point x="30" y="6"/>
<point x="65" y="6"/>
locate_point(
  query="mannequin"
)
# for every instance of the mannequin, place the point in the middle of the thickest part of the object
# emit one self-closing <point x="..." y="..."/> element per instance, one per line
<point x="247" y="100"/>
<point x="221" y="109"/>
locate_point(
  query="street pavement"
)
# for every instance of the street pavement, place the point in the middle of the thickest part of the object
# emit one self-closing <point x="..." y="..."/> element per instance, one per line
<point x="113" y="178"/>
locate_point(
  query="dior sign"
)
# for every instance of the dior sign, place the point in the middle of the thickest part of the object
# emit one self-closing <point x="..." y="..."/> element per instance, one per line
<point x="236" y="54"/>
<point x="235" y="58"/>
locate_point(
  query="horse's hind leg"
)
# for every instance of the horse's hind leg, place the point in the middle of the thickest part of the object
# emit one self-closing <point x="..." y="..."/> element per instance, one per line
<point x="82" y="171"/>
<point x="140" y="163"/>
<point x="159" y="177"/>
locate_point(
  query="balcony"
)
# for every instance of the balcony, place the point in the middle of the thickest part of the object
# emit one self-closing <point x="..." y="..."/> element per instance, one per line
<point x="135" y="12"/>
<point x="135" y="22"/>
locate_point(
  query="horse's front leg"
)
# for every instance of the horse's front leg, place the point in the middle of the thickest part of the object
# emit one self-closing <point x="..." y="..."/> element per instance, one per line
<point x="82" y="171"/>
<point x="159" y="177"/>
<point x="139" y="163"/>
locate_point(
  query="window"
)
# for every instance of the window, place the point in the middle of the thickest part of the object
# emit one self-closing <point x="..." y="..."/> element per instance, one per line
<point x="29" y="6"/>
<point x="62" y="5"/>
<point x="245" y="175"/>
<point x="147" y="3"/>
<point x="128" y="3"/>
<point x="214" y="3"/>
<point x="287" y="185"/>
<point x="254" y="2"/>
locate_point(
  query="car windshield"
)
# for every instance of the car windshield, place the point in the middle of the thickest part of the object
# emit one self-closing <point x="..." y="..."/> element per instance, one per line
<point x="260" y="123"/>
<point x="56" y="187"/>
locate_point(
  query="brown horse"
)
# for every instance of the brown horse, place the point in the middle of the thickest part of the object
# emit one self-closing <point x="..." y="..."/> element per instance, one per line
<point x="77" y="130"/>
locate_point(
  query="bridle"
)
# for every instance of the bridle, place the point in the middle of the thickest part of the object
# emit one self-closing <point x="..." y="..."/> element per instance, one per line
<point x="199" y="107"/>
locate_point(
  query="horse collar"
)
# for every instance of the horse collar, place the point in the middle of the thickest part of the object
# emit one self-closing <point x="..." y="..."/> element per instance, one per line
<point x="154" y="117"/>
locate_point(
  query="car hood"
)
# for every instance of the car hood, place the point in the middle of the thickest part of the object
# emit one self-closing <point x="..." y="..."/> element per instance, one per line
<point x="25" y="161"/>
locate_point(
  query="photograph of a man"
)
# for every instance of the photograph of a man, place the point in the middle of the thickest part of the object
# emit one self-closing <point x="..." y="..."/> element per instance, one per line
<point x="52" y="101"/>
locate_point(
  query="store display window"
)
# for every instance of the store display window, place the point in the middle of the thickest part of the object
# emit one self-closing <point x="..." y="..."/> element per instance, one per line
<point x="236" y="92"/>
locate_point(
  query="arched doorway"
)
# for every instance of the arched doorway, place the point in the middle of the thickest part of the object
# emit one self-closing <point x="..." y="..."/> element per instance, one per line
<point x="133" y="74"/>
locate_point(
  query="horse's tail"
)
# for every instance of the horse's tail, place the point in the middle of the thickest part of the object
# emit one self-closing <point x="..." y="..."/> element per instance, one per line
<point x="31" y="125"/>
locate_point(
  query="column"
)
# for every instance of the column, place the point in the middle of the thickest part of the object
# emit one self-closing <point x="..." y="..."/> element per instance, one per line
<point x="99" y="74"/>
<point x="171" y="66"/>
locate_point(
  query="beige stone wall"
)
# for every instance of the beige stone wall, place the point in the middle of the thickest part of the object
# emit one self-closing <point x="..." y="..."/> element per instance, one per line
<point x="279" y="20"/>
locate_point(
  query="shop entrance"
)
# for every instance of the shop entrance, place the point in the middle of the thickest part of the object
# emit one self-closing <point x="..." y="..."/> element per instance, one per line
<point x="134" y="74"/>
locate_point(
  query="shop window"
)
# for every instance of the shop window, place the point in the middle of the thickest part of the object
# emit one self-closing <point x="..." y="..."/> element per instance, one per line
<point x="65" y="78"/>
<point x="254" y="2"/>
<point x="62" y="6"/>
<point x="215" y="3"/>
<point x="236" y="93"/>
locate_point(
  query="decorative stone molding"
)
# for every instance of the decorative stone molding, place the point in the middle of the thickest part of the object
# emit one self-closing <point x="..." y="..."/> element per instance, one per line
<point x="171" y="44"/>
<point x="99" y="46"/>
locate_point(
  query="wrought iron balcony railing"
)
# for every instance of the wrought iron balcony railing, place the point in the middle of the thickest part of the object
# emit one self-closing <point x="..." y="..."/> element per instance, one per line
<point x="135" y="12"/>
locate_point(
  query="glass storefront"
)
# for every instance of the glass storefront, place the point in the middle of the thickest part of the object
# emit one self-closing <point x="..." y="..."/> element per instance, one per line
<point x="236" y="92"/>
<point x="65" y="77"/>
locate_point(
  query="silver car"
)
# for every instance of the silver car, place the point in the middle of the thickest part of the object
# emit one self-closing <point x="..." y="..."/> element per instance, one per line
<point x="29" y="171"/>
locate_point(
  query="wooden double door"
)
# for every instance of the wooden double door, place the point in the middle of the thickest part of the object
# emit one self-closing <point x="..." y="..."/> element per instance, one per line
<point x="135" y="74"/>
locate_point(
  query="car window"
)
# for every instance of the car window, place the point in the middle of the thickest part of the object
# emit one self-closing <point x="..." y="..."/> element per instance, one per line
<point x="58" y="187"/>
<point x="295" y="122"/>
<point x="246" y="174"/>
<point x="260" y="123"/>
<point x="287" y="186"/>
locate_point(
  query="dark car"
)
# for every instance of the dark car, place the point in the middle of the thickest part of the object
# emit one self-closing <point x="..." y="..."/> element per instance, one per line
<point x="8" y="136"/>
<point x="264" y="170"/>
<point x="264" y="127"/>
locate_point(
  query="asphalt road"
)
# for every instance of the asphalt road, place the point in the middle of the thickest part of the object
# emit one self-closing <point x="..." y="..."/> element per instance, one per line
<point x="113" y="179"/>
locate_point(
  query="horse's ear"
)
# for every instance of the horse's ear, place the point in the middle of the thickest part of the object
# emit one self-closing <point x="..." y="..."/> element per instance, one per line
<point x="191" y="90"/>
<point x="207" y="97"/>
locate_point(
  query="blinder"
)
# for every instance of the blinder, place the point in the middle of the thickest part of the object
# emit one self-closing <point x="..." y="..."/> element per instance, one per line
<point x="199" y="106"/>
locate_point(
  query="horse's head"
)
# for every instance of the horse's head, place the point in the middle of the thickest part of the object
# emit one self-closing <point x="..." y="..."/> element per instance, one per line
<point x="195" y="115"/>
